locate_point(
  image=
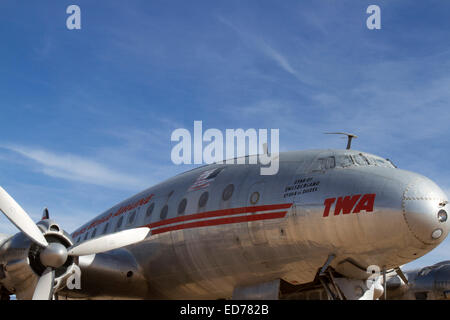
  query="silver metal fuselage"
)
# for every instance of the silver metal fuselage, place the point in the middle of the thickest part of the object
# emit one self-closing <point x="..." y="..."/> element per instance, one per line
<point x="272" y="227"/>
<point x="428" y="283"/>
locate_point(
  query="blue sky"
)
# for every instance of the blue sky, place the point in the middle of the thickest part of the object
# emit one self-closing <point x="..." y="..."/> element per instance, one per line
<point x="86" y="115"/>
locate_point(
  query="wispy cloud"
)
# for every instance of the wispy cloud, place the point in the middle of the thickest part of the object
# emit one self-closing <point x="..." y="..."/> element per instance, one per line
<point x="262" y="46"/>
<point x="76" y="168"/>
<point x="276" y="56"/>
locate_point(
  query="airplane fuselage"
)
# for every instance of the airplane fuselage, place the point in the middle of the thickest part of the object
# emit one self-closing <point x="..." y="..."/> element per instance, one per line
<point x="221" y="226"/>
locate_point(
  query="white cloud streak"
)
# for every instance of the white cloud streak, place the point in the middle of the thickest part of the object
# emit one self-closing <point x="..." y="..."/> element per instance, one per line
<point x="76" y="168"/>
<point x="263" y="47"/>
<point x="277" y="57"/>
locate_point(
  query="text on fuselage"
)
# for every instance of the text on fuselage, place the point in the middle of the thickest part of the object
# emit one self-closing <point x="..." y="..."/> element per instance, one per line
<point x="350" y="204"/>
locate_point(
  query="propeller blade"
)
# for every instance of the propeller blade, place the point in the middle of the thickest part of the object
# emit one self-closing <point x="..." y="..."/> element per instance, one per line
<point x="401" y="275"/>
<point x="109" y="242"/>
<point x="44" y="287"/>
<point x="14" y="212"/>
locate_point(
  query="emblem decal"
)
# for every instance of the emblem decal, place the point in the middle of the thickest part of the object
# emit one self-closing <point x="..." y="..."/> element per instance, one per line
<point x="346" y="204"/>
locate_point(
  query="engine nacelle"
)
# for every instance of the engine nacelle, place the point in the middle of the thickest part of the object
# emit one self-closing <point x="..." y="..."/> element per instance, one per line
<point x="110" y="275"/>
<point x="20" y="265"/>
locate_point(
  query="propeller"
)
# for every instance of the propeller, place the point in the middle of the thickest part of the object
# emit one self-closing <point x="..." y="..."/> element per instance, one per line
<point x="44" y="287"/>
<point x="20" y="218"/>
<point x="55" y="254"/>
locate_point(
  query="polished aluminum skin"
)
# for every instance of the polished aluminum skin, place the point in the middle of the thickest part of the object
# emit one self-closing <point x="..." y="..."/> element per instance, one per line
<point x="20" y="260"/>
<point x="251" y="229"/>
<point x="209" y="262"/>
<point x="55" y="255"/>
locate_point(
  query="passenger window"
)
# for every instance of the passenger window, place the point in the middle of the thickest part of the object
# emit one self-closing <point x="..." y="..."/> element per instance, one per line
<point x="150" y="210"/>
<point x="227" y="192"/>
<point x="131" y="217"/>
<point x="182" y="206"/>
<point x="94" y="233"/>
<point x="163" y="213"/>
<point x="105" y="229"/>
<point x="119" y="223"/>
<point x="203" y="199"/>
<point x="254" y="198"/>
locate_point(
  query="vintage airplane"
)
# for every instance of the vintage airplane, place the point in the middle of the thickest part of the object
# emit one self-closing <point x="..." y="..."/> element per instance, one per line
<point x="326" y="220"/>
<point x="428" y="283"/>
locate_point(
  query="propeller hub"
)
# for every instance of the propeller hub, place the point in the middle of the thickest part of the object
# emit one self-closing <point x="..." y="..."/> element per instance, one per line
<point x="54" y="255"/>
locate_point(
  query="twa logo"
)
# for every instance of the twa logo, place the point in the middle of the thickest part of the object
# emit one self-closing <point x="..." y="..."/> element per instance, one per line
<point x="357" y="203"/>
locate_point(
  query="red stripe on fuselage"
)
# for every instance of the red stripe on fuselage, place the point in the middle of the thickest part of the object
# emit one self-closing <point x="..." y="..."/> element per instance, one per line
<point x="216" y="222"/>
<point x="218" y="213"/>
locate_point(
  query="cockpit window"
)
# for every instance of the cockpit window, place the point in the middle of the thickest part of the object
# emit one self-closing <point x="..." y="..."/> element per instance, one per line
<point x="324" y="164"/>
<point x="388" y="160"/>
<point x="350" y="160"/>
<point x="360" y="160"/>
<point x="347" y="160"/>
<point x="379" y="162"/>
<point x="344" y="161"/>
<point x="330" y="163"/>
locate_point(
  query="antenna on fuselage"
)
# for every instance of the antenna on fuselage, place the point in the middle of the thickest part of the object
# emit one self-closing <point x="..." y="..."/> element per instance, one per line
<point x="45" y="214"/>
<point x="350" y="136"/>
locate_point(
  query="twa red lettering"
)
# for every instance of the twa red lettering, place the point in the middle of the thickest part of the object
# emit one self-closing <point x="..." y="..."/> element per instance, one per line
<point x="328" y="203"/>
<point x="347" y="203"/>
<point x="366" y="203"/>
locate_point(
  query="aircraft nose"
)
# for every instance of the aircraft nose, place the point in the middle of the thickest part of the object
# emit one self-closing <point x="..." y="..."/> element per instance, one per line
<point x="425" y="210"/>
